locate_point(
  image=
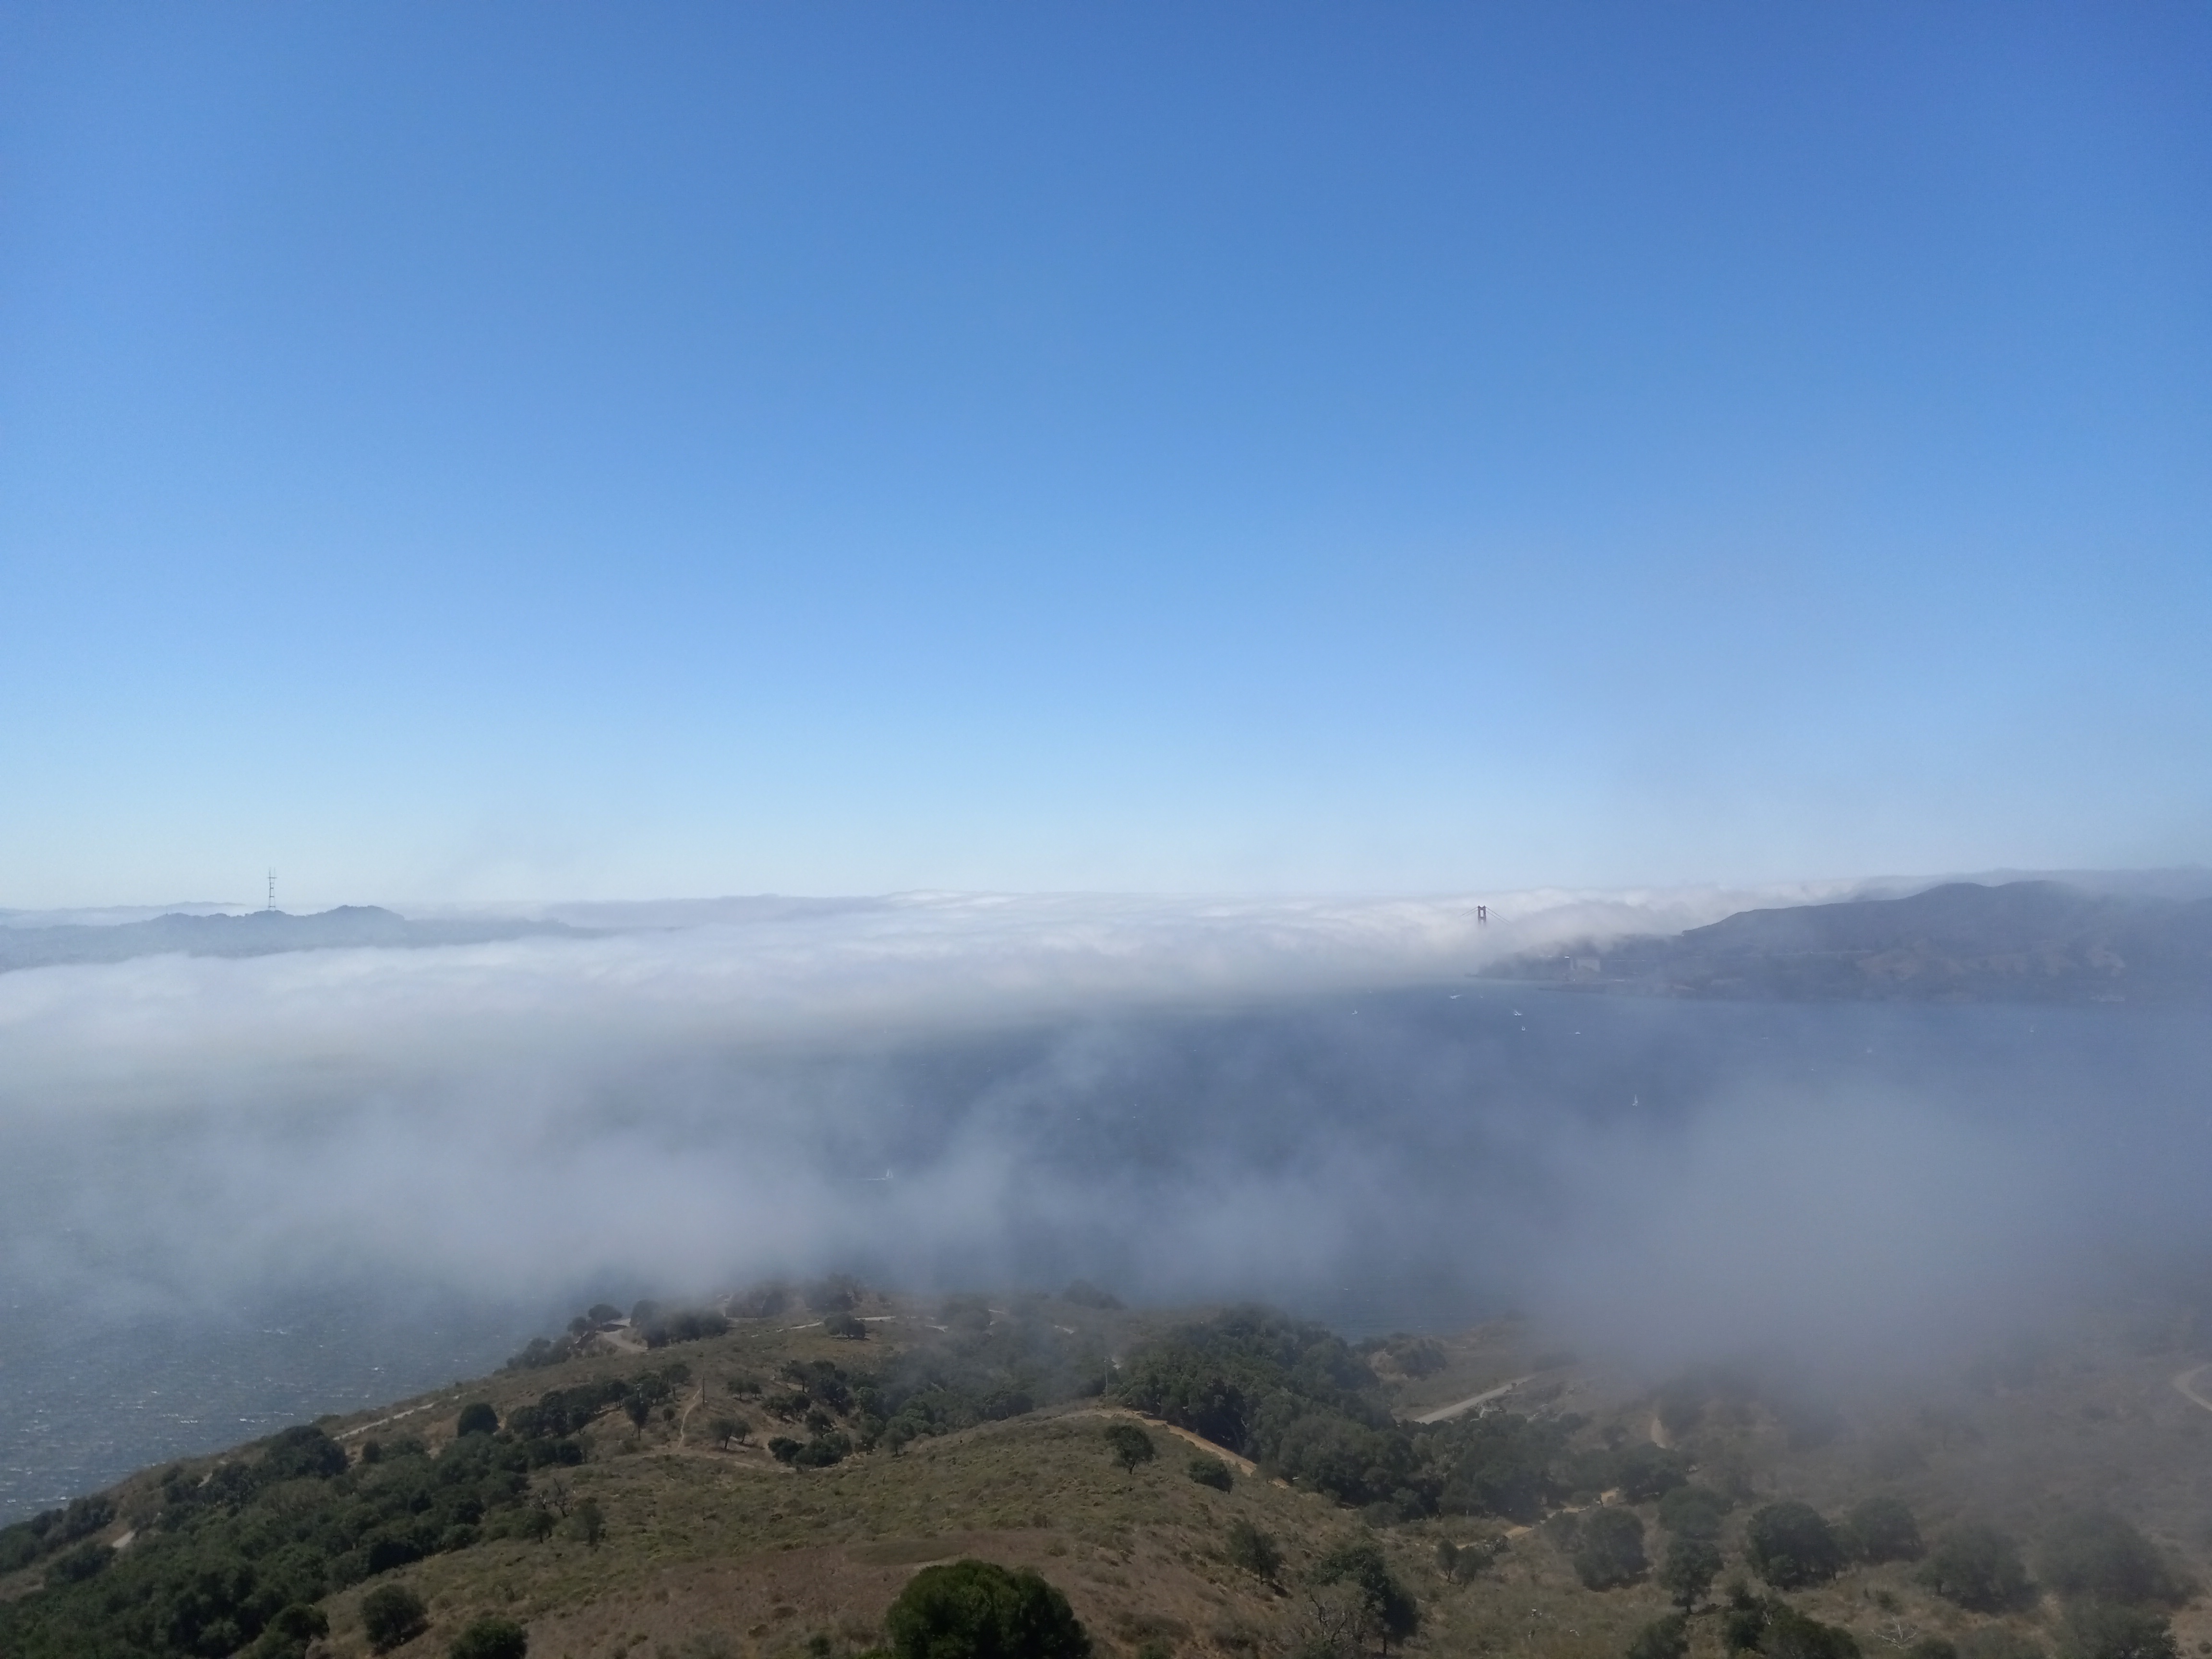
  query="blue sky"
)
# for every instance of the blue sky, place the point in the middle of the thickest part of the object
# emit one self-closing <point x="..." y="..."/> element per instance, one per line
<point x="582" y="451"/>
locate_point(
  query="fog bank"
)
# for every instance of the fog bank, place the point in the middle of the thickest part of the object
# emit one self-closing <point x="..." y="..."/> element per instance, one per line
<point x="1313" y="1103"/>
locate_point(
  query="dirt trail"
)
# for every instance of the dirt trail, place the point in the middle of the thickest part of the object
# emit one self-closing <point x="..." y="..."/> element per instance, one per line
<point x="363" y="1428"/>
<point x="1445" y="1413"/>
<point x="2184" y="1385"/>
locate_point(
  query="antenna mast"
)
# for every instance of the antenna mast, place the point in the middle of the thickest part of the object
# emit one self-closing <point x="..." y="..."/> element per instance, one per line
<point x="271" y="905"/>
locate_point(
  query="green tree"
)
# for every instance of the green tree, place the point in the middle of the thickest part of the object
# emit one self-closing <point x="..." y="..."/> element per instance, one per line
<point x="1254" y="1551"/>
<point x="1130" y="1445"/>
<point x="1977" y="1567"/>
<point x="391" y="1614"/>
<point x="975" y="1610"/>
<point x="490" y="1637"/>
<point x="477" y="1418"/>
<point x="1881" y="1529"/>
<point x="1663" y="1638"/>
<point x="1611" y="1552"/>
<point x="1688" y="1571"/>
<point x="1388" y="1607"/>
<point x="1789" y="1546"/>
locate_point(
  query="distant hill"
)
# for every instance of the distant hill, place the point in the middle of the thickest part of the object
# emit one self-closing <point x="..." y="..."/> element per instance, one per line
<point x="2038" y="941"/>
<point x="257" y="933"/>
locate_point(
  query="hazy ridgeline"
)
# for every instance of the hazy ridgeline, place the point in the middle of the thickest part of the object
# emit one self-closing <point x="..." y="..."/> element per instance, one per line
<point x="244" y="1193"/>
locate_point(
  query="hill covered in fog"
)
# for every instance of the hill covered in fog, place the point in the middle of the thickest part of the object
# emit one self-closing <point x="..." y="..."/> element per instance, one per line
<point x="257" y="933"/>
<point x="2039" y="941"/>
<point x="758" y="1476"/>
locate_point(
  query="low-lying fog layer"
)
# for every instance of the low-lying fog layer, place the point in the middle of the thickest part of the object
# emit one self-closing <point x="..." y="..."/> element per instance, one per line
<point x="1313" y="1104"/>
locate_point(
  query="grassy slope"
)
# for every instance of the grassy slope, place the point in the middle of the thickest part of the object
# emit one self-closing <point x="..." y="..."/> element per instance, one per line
<point x="710" y="1554"/>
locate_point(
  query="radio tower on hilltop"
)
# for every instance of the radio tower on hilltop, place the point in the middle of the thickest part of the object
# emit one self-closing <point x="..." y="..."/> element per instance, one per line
<point x="271" y="905"/>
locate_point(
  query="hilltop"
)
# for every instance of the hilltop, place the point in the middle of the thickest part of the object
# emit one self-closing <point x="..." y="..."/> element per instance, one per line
<point x="2037" y="941"/>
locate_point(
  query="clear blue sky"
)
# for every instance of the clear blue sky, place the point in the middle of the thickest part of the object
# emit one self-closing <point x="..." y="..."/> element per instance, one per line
<point x="562" y="450"/>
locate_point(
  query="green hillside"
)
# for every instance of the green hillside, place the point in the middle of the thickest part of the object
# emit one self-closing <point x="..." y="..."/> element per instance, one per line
<point x="761" y="1479"/>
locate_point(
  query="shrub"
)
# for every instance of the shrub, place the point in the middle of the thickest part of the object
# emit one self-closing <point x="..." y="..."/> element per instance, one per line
<point x="1767" y="1625"/>
<point x="288" y="1634"/>
<point x="2097" y="1630"/>
<point x="476" y="1418"/>
<point x="1646" y="1472"/>
<point x="974" y="1610"/>
<point x="1210" y="1471"/>
<point x="838" y="1293"/>
<point x="683" y="1325"/>
<point x="590" y="1522"/>
<point x="1663" y="1638"/>
<point x="850" y="1327"/>
<point x="1790" y="1635"/>
<point x="490" y="1639"/>
<point x="1692" y="1512"/>
<point x="1254" y="1551"/>
<point x="304" y="1453"/>
<point x="1977" y="1567"/>
<point x="1083" y="1294"/>
<point x="1789" y="1546"/>
<point x="85" y="1561"/>
<point x="1612" y="1550"/>
<point x="1995" y="1642"/>
<point x="391" y="1614"/>
<point x="1881" y="1529"/>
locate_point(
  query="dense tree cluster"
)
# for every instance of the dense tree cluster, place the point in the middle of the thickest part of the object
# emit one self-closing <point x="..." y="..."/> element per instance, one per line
<point x="1297" y="1399"/>
<point x="2095" y="1555"/>
<point x="1791" y="1546"/>
<point x="979" y="1370"/>
<point x="1979" y="1568"/>
<point x="53" y="1532"/>
<point x="656" y="1324"/>
<point x="1774" y="1629"/>
<point x="237" y="1557"/>
<point x="1609" y="1552"/>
